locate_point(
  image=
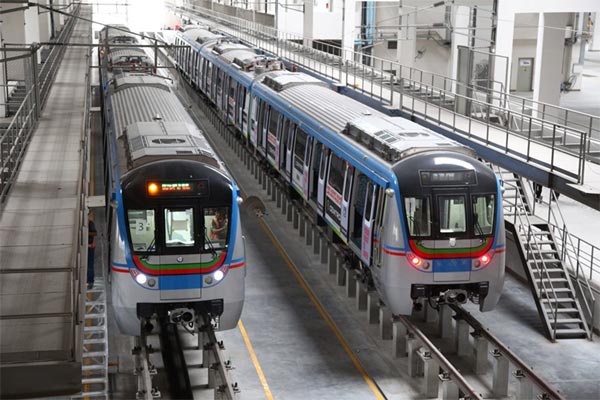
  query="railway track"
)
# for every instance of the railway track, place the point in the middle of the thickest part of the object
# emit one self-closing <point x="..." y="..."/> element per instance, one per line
<point x="178" y="344"/>
<point x="460" y="359"/>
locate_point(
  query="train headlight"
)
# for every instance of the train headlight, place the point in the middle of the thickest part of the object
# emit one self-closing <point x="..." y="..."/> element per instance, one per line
<point x="138" y="276"/>
<point x="141" y="279"/>
<point x="219" y="275"/>
<point x="484" y="259"/>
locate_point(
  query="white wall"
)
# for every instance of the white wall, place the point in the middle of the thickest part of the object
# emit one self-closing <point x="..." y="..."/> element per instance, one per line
<point x="435" y="58"/>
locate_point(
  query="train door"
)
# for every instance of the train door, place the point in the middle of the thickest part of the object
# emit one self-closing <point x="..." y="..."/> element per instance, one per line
<point x="306" y="167"/>
<point x="298" y="163"/>
<point x="451" y="236"/>
<point x="322" y="176"/>
<point x="289" y="149"/>
<point x="254" y="117"/>
<point x="231" y="101"/>
<point x="314" y="170"/>
<point x="345" y="217"/>
<point x="272" y="142"/>
<point x="333" y="191"/>
<point x="244" y="107"/>
<point x="262" y="139"/>
<point x="378" y="229"/>
<point x="239" y="109"/>
<point x="367" y="223"/>
<point x="181" y="247"/>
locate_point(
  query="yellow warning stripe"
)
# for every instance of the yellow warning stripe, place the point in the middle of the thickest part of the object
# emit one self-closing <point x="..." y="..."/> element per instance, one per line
<point x="259" y="370"/>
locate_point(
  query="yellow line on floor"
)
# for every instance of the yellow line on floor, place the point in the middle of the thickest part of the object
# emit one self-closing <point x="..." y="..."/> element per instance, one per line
<point x="322" y="311"/>
<point x="259" y="370"/>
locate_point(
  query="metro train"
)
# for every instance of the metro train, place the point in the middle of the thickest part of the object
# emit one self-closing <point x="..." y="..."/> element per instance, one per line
<point x="176" y="245"/>
<point x="420" y="215"/>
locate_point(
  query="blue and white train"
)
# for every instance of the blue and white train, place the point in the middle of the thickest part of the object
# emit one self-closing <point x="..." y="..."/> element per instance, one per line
<point x="176" y="246"/>
<point x="420" y="214"/>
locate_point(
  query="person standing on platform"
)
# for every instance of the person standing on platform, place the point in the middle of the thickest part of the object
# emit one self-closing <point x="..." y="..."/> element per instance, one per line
<point x="91" y="250"/>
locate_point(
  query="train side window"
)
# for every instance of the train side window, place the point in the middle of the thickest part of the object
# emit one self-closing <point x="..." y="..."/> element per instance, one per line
<point x="179" y="227"/>
<point x="452" y="214"/>
<point x="142" y="230"/>
<point x="322" y="164"/>
<point x="337" y="170"/>
<point x="273" y="119"/>
<point x="216" y="228"/>
<point x="369" y="201"/>
<point x="484" y="209"/>
<point x="300" y="149"/>
<point x="418" y="215"/>
<point x="347" y="182"/>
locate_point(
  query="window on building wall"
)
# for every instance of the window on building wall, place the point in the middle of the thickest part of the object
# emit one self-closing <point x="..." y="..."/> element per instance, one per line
<point x="392" y="44"/>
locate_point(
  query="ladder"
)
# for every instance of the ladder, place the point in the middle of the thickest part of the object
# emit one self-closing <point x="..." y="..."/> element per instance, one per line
<point x="549" y="280"/>
<point x="94" y="367"/>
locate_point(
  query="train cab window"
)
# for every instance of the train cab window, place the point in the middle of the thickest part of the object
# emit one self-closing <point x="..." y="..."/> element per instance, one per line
<point x="418" y="214"/>
<point x="484" y="209"/>
<point x="179" y="227"/>
<point x="142" y="230"/>
<point x="452" y="214"/>
<point x="216" y="228"/>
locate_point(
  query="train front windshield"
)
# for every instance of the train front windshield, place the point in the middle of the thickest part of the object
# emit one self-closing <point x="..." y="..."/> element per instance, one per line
<point x="452" y="214"/>
<point x="179" y="229"/>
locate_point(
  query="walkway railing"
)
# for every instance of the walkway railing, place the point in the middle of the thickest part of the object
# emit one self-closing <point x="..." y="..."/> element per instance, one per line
<point x="16" y="137"/>
<point x="559" y="129"/>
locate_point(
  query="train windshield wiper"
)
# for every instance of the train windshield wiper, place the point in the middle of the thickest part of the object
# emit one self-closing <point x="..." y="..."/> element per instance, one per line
<point x="208" y="242"/>
<point x="149" y="248"/>
<point x="477" y="226"/>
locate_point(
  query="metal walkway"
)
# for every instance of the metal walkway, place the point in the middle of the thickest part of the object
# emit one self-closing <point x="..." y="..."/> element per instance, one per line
<point x="43" y="242"/>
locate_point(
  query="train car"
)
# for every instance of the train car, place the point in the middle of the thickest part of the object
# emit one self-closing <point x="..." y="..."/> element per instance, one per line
<point x="420" y="215"/>
<point x="176" y="245"/>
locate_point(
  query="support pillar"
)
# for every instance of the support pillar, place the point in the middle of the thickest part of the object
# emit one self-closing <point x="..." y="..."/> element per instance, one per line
<point x="460" y="36"/>
<point x="350" y="285"/>
<point x="500" y="378"/>
<point x="385" y="323"/>
<point x="431" y="369"/>
<point x="525" y="390"/>
<point x="333" y="261"/>
<point x="463" y="347"/>
<point x="341" y="274"/>
<point x="415" y="367"/>
<point x="594" y="25"/>
<point x="348" y="24"/>
<point x="372" y="308"/>
<point x="449" y="387"/>
<point x="361" y="296"/>
<point x="445" y="321"/>
<point x="399" y="332"/>
<point x="407" y="38"/>
<point x="547" y="75"/>
<point x="480" y="354"/>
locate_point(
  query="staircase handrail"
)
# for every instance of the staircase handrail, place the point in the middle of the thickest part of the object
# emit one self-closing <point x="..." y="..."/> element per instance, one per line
<point x="555" y="214"/>
<point x="518" y="206"/>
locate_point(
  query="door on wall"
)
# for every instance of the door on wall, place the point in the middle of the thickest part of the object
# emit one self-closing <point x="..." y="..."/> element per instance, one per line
<point x="525" y="75"/>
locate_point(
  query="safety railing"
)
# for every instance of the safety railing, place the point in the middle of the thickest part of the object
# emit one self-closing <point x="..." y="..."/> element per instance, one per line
<point x="15" y="138"/>
<point x="37" y="81"/>
<point x="581" y="257"/>
<point x="50" y="66"/>
<point x="533" y="251"/>
<point x="383" y="79"/>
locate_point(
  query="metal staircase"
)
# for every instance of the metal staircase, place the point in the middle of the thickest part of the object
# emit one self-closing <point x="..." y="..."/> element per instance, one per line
<point x="95" y="345"/>
<point x="548" y="277"/>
